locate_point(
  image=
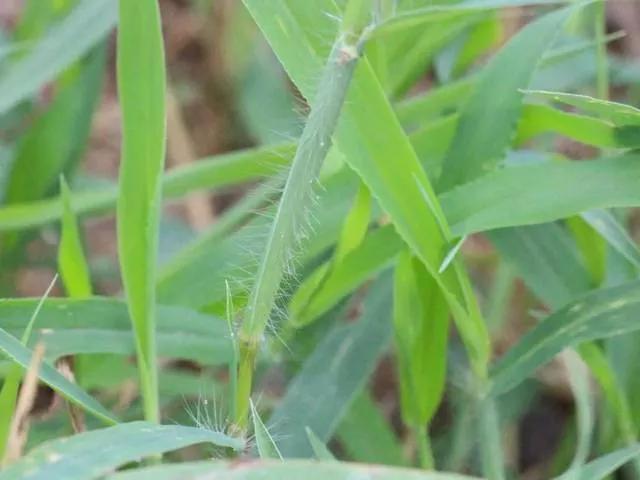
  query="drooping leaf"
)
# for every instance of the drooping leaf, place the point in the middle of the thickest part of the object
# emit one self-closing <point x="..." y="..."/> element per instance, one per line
<point x="93" y="454"/>
<point x="101" y="325"/>
<point x="11" y="347"/>
<point x="599" y="314"/>
<point x="604" y="466"/>
<point x="619" y="114"/>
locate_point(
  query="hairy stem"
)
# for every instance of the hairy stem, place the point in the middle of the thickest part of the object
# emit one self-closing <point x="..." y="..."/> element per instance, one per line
<point x="290" y="219"/>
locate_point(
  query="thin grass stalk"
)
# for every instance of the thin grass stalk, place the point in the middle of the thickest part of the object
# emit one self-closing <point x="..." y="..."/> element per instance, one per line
<point x="142" y="93"/>
<point x="291" y="215"/>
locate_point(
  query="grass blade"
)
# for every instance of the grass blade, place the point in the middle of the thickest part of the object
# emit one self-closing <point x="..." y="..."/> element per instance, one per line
<point x="21" y="355"/>
<point x="493" y="123"/>
<point x="319" y="396"/>
<point x="101" y="325"/>
<point x="11" y="383"/>
<point x="267" y="447"/>
<point x="71" y="260"/>
<point x="320" y="450"/>
<point x="86" y="25"/>
<point x="600" y="314"/>
<point x="94" y="454"/>
<point x="141" y="87"/>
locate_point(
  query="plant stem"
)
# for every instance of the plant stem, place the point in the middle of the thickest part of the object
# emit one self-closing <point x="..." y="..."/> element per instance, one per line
<point x="290" y="218"/>
<point x="425" y="455"/>
<point x="490" y="441"/>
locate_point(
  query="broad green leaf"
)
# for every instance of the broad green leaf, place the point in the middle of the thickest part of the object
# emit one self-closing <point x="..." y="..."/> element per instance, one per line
<point x="71" y="260"/>
<point x="617" y="113"/>
<point x="289" y="470"/>
<point x="85" y="26"/>
<point x="490" y="115"/>
<point x="532" y="194"/>
<point x="21" y="355"/>
<point x="93" y="454"/>
<point x="267" y="447"/>
<point x="142" y="92"/>
<point x="421" y="321"/>
<point x="600" y="314"/>
<point x="101" y="325"/>
<point x="363" y="422"/>
<point x="322" y="391"/>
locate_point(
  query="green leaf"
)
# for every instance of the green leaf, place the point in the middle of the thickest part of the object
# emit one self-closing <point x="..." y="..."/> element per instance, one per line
<point x="604" y="466"/>
<point x="211" y="172"/>
<point x="322" y="391"/>
<point x="11" y="384"/>
<point x="326" y="286"/>
<point x="71" y="260"/>
<point x="101" y="325"/>
<point x="364" y="421"/>
<point x="435" y="13"/>
<point x="557" y="274"/>
<point x="142" y="91"/>
<point x="96" y="453"/>
<point x="606" y="225"/>
<point x="488" y="119"/>
<point x="267" y="447"/>
<point x="55" y="142"/>
<point x="617" y="113"/>
<point x="21" y="355"/>
<point x="579" y="381"/>
<point x="421" y="321"/>
<point x="532" y="194"/>
<point x="320" y="450"/>
<point x="86" y="25"/>
<point x="289" y="470"/>
<point x="601" y="314"/>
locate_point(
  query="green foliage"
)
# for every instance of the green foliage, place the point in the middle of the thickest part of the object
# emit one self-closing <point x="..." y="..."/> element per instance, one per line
<point x="451" y="165"/>
<point x="142" y="90"/>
